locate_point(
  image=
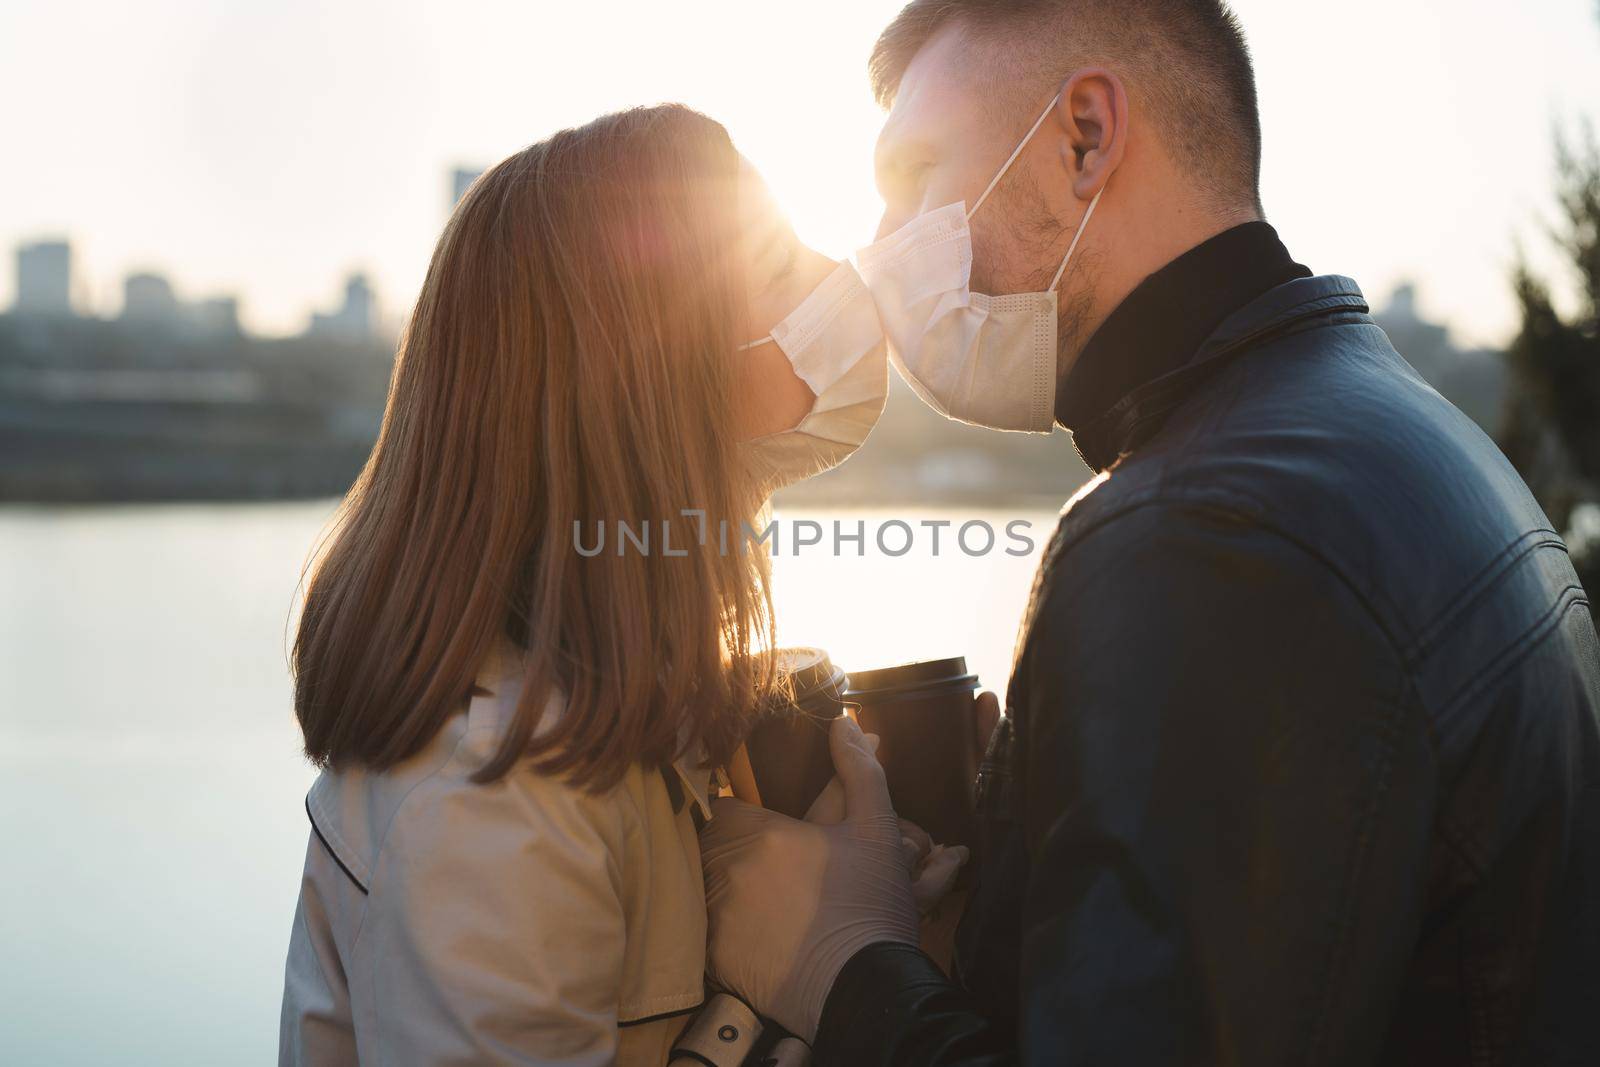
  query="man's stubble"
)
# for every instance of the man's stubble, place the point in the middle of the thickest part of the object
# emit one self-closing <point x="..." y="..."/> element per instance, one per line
<point x="1036" y="242"/>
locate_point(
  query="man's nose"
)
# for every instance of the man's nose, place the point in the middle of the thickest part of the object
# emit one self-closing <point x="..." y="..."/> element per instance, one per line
<point x="892" y="220"/>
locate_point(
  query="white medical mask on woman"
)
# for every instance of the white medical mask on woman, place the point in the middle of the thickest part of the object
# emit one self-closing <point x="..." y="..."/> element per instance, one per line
<point x="985" y="360"/>
<point x="835" y="344"/>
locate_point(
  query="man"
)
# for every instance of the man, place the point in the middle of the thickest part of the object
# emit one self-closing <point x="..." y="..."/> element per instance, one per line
<point x="1302" y="758"/>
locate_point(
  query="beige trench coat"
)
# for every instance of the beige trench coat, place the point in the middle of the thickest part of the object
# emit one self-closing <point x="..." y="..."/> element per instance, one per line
<point x="519" y="922"/>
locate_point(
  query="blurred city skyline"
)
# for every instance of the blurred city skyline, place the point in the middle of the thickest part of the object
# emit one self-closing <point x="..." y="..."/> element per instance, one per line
<point x="49" y="285"/>
<point x="48" y="282"/>
<point x="271" y="154"/>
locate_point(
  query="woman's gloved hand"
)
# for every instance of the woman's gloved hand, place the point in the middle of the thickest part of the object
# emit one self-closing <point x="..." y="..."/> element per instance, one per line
<point x="789" y="902"/>
<point x="934" y="867"/>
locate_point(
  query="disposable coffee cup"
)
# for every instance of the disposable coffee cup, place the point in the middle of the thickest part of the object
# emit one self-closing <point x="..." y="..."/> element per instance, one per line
<point x="923" y="714"/>
<point x="787" y="747"/>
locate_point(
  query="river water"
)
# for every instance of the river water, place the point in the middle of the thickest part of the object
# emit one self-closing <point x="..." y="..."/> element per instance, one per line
<point x="150" y="779"/>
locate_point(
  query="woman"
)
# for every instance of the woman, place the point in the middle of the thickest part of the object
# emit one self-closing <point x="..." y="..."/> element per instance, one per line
<point x="517" y="736"/>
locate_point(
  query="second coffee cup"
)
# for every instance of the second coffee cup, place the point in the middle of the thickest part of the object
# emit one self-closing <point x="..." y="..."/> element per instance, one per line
<point x="923" y="714"/>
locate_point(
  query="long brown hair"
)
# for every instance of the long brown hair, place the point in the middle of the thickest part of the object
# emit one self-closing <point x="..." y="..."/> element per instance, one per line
<point x="568" y="363"/>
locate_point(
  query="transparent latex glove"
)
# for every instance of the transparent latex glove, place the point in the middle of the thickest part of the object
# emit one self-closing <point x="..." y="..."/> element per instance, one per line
<point x="789" y="901"/>
<point x="934" y="867"/>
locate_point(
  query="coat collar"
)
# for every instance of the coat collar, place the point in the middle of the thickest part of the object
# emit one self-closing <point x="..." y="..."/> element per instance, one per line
<point x="1163" y="324"/>
<point x="1113" y="432"/>
<point x="695" y="778"/>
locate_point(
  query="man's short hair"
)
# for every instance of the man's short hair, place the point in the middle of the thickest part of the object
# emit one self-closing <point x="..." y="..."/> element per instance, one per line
<point x="1186" y="62"/>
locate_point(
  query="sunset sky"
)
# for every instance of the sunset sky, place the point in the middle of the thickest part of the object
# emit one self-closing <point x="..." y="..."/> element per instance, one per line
<point x="267" y="149"/>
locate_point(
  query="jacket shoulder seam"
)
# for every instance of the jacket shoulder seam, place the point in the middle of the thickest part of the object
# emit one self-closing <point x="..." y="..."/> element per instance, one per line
<point x="394" y="817"/>
<point x="1525" y="544"/>
<point x="1514" y="651"/>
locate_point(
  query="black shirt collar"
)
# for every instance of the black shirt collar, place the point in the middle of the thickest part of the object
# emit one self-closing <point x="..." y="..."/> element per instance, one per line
<point x="1163" y="323"/>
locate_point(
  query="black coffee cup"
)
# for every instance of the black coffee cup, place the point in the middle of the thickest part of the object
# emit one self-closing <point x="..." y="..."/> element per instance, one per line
<point x="788" y="745"/>
<point x="923" y="714"/>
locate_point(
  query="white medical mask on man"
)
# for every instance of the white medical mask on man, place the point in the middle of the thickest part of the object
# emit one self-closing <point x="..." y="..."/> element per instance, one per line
<point x="834" y="342"/>
<point x="985" y="360"/>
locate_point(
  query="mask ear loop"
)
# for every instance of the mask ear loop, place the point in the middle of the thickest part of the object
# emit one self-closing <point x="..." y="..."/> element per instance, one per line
<point x="1015" y="153"/>
<point x="748" y="345"/>
<point x="1082" y="226"/>
<point x="1087" y="215"/>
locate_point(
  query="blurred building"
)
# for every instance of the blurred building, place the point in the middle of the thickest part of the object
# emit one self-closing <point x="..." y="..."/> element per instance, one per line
<point x="1474" y="380"/>
<point x="217" y="315"/>
<point x="1406" y="322"/>
<point x="44" y="278"/>
<point x="461" y="179"/>
<point x="355" y="319"/>
<point x="148" y="297"/>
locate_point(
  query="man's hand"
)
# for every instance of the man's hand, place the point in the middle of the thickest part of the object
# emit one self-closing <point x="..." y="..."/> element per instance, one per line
<point x="790" y="902"/>
<point x="985" y="719"/>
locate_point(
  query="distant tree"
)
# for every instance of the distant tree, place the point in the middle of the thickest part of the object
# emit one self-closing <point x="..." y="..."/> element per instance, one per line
<point x="1552" y="427"/>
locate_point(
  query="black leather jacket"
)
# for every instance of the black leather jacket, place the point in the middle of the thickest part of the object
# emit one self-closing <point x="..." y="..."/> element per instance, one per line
<point x="1304" y="756"/>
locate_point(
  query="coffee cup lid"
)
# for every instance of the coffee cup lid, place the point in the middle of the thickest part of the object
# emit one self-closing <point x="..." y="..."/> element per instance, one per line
<point x="928" y="674"/>
<point x="810" y="671"/>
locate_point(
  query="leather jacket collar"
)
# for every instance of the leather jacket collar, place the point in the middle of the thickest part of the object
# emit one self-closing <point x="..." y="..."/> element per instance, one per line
<point x="1164" y="329"/>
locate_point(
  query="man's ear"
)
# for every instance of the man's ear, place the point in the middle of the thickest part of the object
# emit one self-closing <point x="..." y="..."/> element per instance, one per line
<point x="1093" y="111"/>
